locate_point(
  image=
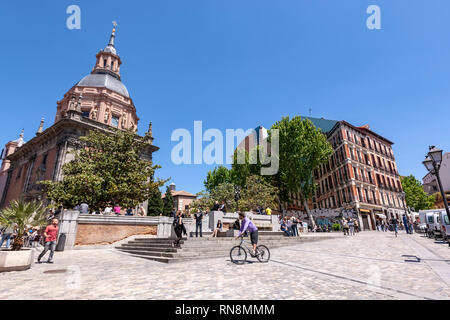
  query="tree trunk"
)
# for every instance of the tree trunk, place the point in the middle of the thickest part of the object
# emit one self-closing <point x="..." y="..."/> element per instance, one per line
<point x="17" y="243"/>
<point x="311" y="219"/>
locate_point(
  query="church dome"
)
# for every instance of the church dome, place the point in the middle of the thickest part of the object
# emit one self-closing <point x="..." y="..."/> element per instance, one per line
<point x="104" y="80"/>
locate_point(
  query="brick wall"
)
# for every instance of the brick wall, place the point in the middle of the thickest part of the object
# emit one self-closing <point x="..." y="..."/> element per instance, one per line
<point x="95" y="234"/>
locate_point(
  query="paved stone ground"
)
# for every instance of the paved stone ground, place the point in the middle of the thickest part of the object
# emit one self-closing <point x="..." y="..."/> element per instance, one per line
<point x="369" y="265"/>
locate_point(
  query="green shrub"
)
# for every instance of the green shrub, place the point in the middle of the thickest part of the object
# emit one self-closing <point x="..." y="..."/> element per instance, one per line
<point x="336" y="227"/>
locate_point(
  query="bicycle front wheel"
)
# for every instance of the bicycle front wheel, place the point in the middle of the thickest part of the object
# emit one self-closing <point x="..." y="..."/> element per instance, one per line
<point x="238" y="255"/>
<point x="262" y="253"/>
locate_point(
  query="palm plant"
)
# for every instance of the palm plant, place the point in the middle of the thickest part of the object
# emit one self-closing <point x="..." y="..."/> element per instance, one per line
<point x="24" y="215"/>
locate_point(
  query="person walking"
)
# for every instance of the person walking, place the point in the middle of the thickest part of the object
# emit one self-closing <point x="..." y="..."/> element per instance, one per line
<point x="351" y="226"/>
<point x="198" y="223"/>
<point x="394" y="223"/>
<point x="356" y="223"/>
<point x="7" y="235"/>
<point x="294" y="226"/>
<point x="384" y="226"/>
<point x="178" y="228"/>
<point x="345" y="226"/>
<point x="50" y="234"/>
<point x="405" y="223"/>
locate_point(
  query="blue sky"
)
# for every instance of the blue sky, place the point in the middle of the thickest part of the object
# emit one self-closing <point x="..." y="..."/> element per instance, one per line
<point x="239" y="64"/>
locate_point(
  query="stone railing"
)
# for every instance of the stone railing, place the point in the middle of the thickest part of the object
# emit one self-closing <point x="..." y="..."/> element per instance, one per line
<point x="262" y="222"/>
<point x="88" y="229"/>
<point x="83" y="230"/>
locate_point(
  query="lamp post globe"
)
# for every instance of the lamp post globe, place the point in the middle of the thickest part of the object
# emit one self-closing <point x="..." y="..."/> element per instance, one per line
<point x="433" y="163"/>
<point x="428" y="163"/>
<point x="436" y="155"/>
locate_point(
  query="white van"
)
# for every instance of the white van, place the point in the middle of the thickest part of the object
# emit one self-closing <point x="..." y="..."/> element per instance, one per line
<point x="445" y="226"/>
<point x="427" y="217"/>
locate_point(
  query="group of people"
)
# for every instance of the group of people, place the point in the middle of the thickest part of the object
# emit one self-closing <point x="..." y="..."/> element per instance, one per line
<point x="350" y="226"/>
<point x="289" y="225"/>
<point x="31" y="237"/>
<point x="110" y="209"/>
<point x="405" y="224"/>
<point x="243" y="224"/>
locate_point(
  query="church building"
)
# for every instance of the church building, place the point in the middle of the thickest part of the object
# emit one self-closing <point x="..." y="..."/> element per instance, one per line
<point x="98" y="101"/>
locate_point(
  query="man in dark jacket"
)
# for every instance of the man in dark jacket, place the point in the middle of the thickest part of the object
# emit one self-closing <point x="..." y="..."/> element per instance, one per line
<point x="198" y="223"/>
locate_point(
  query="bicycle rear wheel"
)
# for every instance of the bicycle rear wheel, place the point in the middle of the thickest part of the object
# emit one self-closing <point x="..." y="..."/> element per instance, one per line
<point x="262" y="253"/>
<point x="238" y="255"/>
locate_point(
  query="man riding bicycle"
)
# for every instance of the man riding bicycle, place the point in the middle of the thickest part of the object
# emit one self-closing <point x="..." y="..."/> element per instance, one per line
<point x="248" y="225"/>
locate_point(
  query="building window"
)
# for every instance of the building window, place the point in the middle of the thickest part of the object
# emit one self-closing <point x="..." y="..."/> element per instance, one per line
<point x="104" y="63"/>
<point x="112" y="65"/>
<point x="86" y="114"/>
<point x="115" y="121"/>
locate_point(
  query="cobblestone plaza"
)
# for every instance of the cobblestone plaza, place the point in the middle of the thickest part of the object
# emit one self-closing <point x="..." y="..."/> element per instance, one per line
<point x="370" y="265"/>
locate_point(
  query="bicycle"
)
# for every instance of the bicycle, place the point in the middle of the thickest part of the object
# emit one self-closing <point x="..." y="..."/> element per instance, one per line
<point x="238" y="254"/>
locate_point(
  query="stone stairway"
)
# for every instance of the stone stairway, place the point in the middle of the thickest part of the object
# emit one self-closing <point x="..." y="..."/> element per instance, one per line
<point x="161" y="250"/>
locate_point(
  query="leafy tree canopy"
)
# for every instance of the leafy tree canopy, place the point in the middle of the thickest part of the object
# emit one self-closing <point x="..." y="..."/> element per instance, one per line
<point x="107" y="170"/>
<point x="415" y="196"/>
<point x="155" y="204"/>
<point x="303" y="148"/>
<point x="168" y="202"/>
<point x="219" y="175"/>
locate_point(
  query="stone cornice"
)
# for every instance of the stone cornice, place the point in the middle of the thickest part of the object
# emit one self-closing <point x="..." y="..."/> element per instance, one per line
<point x="74" y="119"/>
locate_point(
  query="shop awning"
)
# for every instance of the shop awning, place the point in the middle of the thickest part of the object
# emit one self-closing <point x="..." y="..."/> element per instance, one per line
<point x="382" y="216"/>
<point x="364" y="210"/>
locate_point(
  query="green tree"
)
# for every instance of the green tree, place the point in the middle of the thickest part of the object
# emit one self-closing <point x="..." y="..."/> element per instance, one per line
<point x="168" y="202"/>
<point x="415" y="196"/>
<point x="24" y="215"/>
<point x="258" y="192"/>
<point x="225" y="192"/>
<point x="251" y="166"/>
<point x="107" y="168"/>
<point x="302" y="148"/>
<point x="204" y="202"/>
<point x="219" y="175"/>
<point x="155" y="204"/>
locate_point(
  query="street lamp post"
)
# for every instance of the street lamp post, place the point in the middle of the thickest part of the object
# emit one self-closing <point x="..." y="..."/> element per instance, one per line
<point x="403" y="197"/>
<point x="433" y="163"/>
<point x="237" y="196"/>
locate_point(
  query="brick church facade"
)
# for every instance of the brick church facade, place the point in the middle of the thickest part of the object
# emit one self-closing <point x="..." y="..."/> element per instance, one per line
<point x="99" y="101"/>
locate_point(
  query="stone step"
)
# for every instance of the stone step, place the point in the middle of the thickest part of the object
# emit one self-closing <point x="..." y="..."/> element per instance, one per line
<point x="157" y="239"/>
<point x="204" y="248"/>
<point x="166" y="242"/>
<point x="178" y="258"/>
<point x="146" y="248"/>
<point x="154" y="244"/>
<point x="149" y="253"/>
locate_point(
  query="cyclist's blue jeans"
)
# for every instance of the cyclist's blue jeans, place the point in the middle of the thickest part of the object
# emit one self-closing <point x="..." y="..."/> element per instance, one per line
<point x="396" y="228"/>
<point x="286" y="231"/>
